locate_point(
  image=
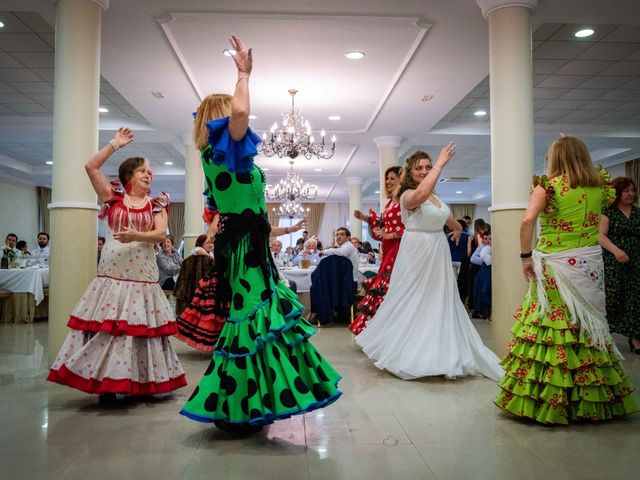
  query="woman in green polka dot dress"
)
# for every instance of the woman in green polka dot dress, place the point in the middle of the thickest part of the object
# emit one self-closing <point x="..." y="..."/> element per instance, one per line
<point x="263" y="368"/>
<point x="563" y="364"/>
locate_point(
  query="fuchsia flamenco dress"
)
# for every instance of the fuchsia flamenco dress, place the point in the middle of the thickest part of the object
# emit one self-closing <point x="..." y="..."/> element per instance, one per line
<point x="120" y="328"/>
<point x="376" y="287"/>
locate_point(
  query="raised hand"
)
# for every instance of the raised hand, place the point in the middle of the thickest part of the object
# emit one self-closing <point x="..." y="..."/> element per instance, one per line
<point x="123" y="137"/>
<point x="242" y="57"/>
<point x="446" y="154"/>
<point x="360" y="216"/>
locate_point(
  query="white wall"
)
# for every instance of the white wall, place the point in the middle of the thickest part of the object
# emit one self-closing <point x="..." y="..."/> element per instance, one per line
<point x="616" y="170"/>
<point x="18" y="213"/>
<point x="339" y="215"/>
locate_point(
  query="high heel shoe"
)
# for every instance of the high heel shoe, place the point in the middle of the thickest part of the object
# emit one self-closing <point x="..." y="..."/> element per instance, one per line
<point x="633" y="348"/>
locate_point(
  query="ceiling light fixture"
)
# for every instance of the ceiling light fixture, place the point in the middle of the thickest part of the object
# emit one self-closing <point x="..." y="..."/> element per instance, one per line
<point x="1" y="24"/>
<point x="317" y="169"/>
<point x="157" y="94"/>
<point x="264" y="169"/>
<point x="294" y="137"/>
<point x="377" y="191"/>
<point x="427" y="98"/>
<point x="335" y="117"/>
<point x="229" y="52"/>
<point x="292" y="188"/>
<point x="252" y="117"/>
<point x="480" y="113"/>
<point x="103" y="110"/>
<point x="168" y="163"/>
<point x="458" y="192"/>
<point x="583" y="33"/>
<point x="291" y="210"/>
<point x="49" y="162"/>
<point x="354" y="55"/>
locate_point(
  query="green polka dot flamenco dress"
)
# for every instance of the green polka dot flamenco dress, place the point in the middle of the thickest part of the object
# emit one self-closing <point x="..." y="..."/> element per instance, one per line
<point x="263" y="367"/>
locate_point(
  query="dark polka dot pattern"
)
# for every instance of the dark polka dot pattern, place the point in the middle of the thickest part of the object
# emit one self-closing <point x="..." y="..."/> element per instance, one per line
<point x="252" y="387"/>
<point x="286" y="306"/>
<point x="287" y="399"/>
<point x="265" y="295"/>
<point x="238" y="301"/>
<point x="246" y="285"/>
<point x="300" y="385"/>
<point x="211" y="403"/>
<point x="244" y="178"/>
<point x="194" y="394"/>
<point x="223" y="181"/>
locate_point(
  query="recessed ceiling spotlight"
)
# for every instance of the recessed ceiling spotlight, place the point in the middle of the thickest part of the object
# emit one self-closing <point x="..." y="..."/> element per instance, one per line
<point x="1" y="24"/>
<point x="354" y="55"/>
<point x="480" y="113"/>
<point x="252" y="117"/>
<point x="157" y="94"/>
<point x="265" y="169"/>
<point x="317" y="169"/>
<point x="49" y="162"/>
<point x="229" y="52"/>
<point x="103" y="109"/>
<point x="585" y="32"/>
<point x="335" y="117"/>
<point x="427" y="98"/>
<point x="377" y="191"/>
<point x="168" y="163"/>
<point x="458" y="192"/>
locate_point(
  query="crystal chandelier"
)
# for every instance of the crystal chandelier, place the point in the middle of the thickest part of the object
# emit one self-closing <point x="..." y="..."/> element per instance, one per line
<point x="294" y="137"/>
<point x="291" y="209"/>
<point x="292" y="188"/>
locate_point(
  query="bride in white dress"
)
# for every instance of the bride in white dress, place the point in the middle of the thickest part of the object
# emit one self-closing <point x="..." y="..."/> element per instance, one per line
<point x="422" y="328"/>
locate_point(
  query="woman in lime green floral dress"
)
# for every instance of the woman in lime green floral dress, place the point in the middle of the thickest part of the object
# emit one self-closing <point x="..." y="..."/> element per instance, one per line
<point x="263" y="368"/>
<point x="563" y="365"/>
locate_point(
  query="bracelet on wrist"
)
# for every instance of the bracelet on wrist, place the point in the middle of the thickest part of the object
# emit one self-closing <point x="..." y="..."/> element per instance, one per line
<point x="114" y="144"/>
<point x="526" y="255"/>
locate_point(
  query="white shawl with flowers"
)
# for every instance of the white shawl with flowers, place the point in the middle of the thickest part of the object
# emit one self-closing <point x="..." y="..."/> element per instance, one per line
<point x="579" y="275"/>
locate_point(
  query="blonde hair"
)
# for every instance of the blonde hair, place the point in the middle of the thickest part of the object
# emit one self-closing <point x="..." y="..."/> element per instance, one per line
<point x="406" y="180"/>
<point x="216" y="105"/>
<point x="569" y="156"/>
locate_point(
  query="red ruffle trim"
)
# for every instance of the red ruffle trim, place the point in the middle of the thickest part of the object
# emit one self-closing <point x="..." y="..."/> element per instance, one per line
<point x="194" y="344"/>
<point x="64" y="376"/>
<point x="121" y="327"/>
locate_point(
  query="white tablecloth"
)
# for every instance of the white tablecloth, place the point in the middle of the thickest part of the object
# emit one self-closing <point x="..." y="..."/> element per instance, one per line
<point x="302" y="276"/>
<point x="25" y="280"/>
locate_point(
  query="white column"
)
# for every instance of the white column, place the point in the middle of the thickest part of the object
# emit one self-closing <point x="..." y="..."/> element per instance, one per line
<point x="193" y="198"/>
<point x="512" y="150"/>
<point x="388" y="153"/>
<point x="75" y="139"/>
<point x="355" y="203"/>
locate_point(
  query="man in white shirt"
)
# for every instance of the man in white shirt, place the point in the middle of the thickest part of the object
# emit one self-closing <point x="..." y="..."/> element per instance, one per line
<point x="42" y="250"/>
<point x="345" y="249"/>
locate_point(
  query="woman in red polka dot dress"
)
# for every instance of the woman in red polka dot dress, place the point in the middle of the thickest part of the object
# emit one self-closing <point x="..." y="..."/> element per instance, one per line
<point x="119" y="330"/>
<point x="389" y="230"/>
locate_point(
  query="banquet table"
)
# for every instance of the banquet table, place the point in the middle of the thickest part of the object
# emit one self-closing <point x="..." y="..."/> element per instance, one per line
<point x="302" y="276"/>
<point x="27" y="300"/>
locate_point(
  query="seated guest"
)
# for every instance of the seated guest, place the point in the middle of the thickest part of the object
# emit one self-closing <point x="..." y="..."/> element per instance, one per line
<point x="290" y="251"/>
<point x="203" y="246"/>
<point x="310" y="252"/>
<point x="280" y="257"/>
<point x="169" y="261"/>
<point x="346" y="249"/>
<point x="101" y="241"/>
<point x="42" y="251"/>
<point x="317" y="239"/>
<point x="355" y="241"/>
<point x="368" y="249"/>
<point x="22" y="247"/>
<point x="9" y="248"/>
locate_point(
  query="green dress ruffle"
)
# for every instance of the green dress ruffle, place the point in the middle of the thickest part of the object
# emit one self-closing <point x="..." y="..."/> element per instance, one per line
<point x="553" y="373"/>
<point x="263" y="368"/>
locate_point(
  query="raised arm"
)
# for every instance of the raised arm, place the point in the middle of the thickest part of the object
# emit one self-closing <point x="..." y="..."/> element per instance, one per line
<point x="414" y="198"/>
<point x="239" y="121"/>
<point x="537" y="202"/>
<point x="277" y="231"/>
<point x="99" y="181"/>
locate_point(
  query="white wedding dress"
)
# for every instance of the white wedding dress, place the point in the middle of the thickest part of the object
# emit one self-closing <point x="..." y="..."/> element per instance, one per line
<point x="422" y="327"/>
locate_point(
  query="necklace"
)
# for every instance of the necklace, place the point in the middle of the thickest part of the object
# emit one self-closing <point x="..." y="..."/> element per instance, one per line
<point x="130" y="204"/>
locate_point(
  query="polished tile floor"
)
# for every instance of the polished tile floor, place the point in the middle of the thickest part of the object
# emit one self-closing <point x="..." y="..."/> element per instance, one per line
<point x="382" y="428"/>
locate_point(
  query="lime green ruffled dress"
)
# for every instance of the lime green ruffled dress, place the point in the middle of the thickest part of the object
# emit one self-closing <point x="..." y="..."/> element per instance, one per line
<point x="553" y="373"/>
<point x="263" y="368"/>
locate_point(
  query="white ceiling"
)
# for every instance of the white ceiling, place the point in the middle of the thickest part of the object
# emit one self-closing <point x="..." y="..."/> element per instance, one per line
<point x="588" y="87"/>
